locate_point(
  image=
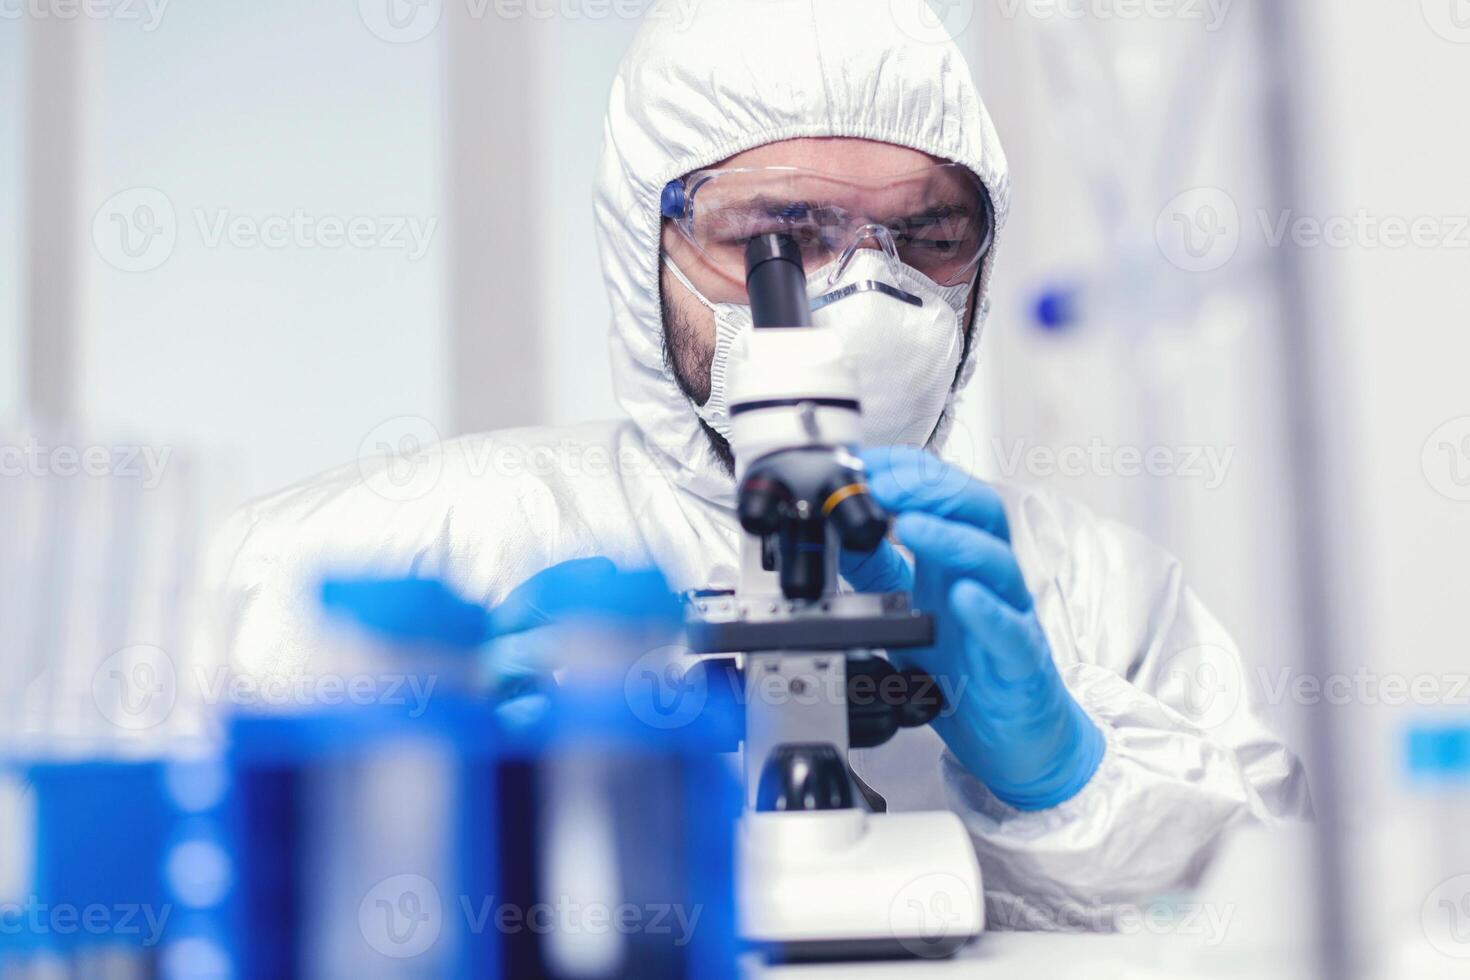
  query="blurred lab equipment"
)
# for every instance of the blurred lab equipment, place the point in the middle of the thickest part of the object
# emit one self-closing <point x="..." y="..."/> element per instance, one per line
<point x="98" y="538"/>
<point x="383" y="819"/>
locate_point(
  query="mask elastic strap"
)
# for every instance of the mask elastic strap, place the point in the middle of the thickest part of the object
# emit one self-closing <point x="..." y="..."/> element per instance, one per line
<point x="684" y="280"/>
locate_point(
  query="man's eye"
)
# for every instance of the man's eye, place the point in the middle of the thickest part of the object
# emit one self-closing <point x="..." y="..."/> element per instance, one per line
<point x="943" y="232"/>
<point x="795" y="211"/>
<point x="803" y="234"/>
<point x="942" y="245"/>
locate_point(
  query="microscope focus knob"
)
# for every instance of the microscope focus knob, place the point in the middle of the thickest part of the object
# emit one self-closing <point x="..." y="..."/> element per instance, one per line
<point x="860" y="522"/>
<point x="760" y="503"/>
<point x="881" y="699"/>
<point x="804" y="776"/>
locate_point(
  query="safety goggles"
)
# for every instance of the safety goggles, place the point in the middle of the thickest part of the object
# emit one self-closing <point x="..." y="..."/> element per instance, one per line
<point x="937" y="219"/>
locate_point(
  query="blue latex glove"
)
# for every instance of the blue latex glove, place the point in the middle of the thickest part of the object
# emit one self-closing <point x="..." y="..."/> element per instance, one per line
<point x="523" y="642"/>
<point x="1014" y="724"/>
<point x="585" y="588"/>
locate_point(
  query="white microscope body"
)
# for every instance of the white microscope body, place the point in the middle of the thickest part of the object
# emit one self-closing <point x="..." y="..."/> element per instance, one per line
<point x="823" y="872"/>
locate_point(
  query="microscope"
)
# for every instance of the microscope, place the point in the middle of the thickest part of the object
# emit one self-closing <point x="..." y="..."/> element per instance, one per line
<point x="825" y="872"/>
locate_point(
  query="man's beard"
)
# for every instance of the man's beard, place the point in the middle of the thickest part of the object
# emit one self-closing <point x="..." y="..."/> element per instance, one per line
<point x="688" y="356"/>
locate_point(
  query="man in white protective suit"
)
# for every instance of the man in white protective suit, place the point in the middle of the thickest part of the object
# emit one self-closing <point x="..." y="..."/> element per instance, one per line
<point x="1087" y="776"/>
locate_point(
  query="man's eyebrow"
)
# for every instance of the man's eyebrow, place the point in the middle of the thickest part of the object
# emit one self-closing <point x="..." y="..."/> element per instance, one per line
<point x="764" y="204"/>
<point x="795" y="214"/>
<point x="953" y="209"/>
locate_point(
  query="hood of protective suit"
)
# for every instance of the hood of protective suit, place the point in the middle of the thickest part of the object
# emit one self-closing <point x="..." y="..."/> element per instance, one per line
<point x="705" y="80"/>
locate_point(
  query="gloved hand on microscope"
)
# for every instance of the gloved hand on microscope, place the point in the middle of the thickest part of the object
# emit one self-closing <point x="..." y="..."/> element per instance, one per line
<point x="1012" y="723"/>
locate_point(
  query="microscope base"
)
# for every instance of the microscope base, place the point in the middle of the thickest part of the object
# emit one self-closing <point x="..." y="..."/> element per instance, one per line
<point x="847" y="884"/>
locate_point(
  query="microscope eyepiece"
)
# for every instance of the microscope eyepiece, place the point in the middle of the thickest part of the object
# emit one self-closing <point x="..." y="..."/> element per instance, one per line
<point x="775" y="280"/>
<point x="772" y="245"/>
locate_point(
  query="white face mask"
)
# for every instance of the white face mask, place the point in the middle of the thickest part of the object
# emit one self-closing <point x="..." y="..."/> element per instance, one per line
<point x="904" y="356"/>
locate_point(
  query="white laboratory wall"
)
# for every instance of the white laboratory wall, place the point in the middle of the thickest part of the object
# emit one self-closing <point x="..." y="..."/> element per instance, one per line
<point x="1105" y="123"/>
<point x="12" y="180"/>
<point x="1390" y="149"/>
<point x="286" y="358"/>
<point x="579" y="56"/>
<point x="1379" y="155"/>
<point x="279" y="357"/>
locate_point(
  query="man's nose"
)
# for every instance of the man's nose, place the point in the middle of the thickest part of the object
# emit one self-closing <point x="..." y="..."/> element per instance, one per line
<point x="869" y="236"/>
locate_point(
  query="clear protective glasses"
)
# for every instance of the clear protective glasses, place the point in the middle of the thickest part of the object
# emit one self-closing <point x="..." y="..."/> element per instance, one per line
<point x="937" y="219"/>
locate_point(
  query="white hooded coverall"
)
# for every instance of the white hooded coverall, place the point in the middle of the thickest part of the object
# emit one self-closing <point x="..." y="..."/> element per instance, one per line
<point x="486" y="511"/>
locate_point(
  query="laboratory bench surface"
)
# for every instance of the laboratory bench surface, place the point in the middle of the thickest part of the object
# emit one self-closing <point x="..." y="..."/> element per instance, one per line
<point x="1042" y="956"/>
